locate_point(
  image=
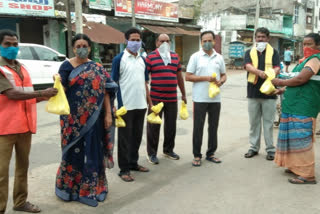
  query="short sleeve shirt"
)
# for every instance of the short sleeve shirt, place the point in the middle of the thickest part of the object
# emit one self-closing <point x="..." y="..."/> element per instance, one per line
<point x="4" y="82"/>
<point x="201" y="64"/>
<point x="133" y="76"/>
<point x="253" y="91"/>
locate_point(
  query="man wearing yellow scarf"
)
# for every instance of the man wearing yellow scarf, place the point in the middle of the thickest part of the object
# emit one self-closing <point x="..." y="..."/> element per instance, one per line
<point x="261" y="106"/>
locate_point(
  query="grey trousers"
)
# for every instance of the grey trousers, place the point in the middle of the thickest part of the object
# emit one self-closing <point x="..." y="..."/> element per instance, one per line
<point x="261" y="109"/>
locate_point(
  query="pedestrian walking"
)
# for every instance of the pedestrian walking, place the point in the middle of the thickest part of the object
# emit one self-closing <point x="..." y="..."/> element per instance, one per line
<point x="300" y="107"/>
<point x="18" y="122"/>
<point x="287" y="58"/>
<point x="201" y="66"/>
<point x="165" y="69"/>
<point x="261" y="106"/>
<point x="129" y="71"/>
<point x="85" y="132"/>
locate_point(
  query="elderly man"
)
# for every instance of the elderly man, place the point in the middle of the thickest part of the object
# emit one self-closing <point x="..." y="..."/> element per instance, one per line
<point x="165" y="70"/>
<point x="18" y="121"/>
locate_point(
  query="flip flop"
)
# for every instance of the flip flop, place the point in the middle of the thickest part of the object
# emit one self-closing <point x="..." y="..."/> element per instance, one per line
<point x="28" y="207"/>
<point x="126" y="177"/>
<point x="213" y="159"/>
<point x="301" y="180"/>
<point x="196" y="162"/>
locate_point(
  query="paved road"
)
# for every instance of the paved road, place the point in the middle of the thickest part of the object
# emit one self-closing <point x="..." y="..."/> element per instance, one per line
<point x="236" y="186"/>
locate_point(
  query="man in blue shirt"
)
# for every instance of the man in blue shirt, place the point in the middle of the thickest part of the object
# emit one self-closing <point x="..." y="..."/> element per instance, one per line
<point x="287" y="58"/>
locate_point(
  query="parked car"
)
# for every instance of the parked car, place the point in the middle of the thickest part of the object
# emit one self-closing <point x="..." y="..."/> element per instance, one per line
<point x="42" y="63"/>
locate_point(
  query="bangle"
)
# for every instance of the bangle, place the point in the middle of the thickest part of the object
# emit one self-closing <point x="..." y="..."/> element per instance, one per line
<point x="39" y="92"/>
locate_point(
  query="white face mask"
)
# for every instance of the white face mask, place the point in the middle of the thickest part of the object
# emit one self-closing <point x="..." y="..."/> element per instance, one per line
<point x="164" y="48"/>
<point x="164" y="51"/>
<point x="261" y="46"/>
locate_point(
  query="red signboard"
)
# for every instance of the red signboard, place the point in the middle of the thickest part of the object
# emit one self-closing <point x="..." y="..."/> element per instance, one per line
<point x="148" y="9"/>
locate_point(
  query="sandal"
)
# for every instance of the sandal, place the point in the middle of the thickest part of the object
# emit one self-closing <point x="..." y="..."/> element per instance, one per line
<point x="301" y="180"/>
<point x="140" y="169"/>
<point x="196" y="162"/>
<point x="126" y="177"/>
<point x="213" y="159"/>
<point x="28" y="207"/>
<point x="250" y="154"/>
<point x="270" y="156"/>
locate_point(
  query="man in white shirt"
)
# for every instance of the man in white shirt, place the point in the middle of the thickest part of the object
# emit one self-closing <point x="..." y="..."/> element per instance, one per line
<point x="129" y="71"/>
<point x="201" y="66"/>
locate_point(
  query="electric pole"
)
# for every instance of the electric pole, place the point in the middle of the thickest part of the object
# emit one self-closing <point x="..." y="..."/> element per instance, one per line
<point x="133" y="13"/>
<point x="69" y="27"/>
<point x="78" y="12"/>
<point x="256" y="21"/>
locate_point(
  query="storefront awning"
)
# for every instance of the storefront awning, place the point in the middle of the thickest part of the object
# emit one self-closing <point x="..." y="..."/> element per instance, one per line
<point x="102" y="34"/>
<point x="171" y="30"/>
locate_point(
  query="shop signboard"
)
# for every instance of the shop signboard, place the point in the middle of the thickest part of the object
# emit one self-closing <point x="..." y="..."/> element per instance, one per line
<point x="148" y="9"/>
<point x="43" y="8"/>
<point x="100" y="4"/>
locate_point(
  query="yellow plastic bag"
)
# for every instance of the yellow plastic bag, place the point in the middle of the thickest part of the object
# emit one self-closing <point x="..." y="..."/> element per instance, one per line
<point x="267" y="87"/>
<point x="119" y="120"/>
<point x="154" y="119"/>
<point x="157" y="108"/>
<point x="59" y="103"/>
<point x="184" y="114"/>
<point x="214" y="90"/>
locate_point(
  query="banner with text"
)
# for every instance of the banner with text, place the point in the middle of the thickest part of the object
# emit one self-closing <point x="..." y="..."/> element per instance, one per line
<point x="100" y="4"/>
<point x="148" y="9"/>
<point x="44" y="8"/>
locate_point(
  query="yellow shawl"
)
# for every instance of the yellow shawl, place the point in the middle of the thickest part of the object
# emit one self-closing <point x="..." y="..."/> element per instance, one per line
<point x="252" y="78"/>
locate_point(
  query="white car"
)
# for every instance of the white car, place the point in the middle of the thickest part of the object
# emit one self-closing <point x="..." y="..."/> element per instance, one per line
<point x="42" y="62"/>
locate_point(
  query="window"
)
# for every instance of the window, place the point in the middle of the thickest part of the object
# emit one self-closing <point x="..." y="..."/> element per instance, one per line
<point x="296" y="14"/>
<point x="45" y="54"/>
<point x="25" y="53"/>
<point x="309" y="20"/>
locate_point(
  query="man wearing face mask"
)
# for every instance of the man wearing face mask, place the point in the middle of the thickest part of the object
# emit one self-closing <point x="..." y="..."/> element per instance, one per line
<point x="165" y="70"/>
<point x="18" y="121"/>
<point x="129" y="70"/>
<point x="260" y="106"/>
<point x="201" y="66"/>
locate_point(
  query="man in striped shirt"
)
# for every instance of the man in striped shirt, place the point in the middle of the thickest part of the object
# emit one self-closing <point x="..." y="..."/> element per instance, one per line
<point x="165" y="70"/>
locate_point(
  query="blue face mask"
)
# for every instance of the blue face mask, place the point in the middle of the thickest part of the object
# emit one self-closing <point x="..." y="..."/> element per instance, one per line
<point x="134" y="46"/>
<point x="9" y="52"/>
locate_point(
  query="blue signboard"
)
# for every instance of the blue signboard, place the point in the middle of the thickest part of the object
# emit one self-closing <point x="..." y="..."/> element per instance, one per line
<point x="236" y="50"/>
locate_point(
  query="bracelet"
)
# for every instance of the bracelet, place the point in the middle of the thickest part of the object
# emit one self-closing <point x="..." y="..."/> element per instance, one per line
<point x="39" y="92"/>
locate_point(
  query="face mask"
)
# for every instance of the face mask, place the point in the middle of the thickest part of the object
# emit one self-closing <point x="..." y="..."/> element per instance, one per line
<point x="164" y="48"/>
<point x="261" y="46"/>
<point x="309" y="51"/>
<point x="134" y="46"/>
<point x="164" y="51"/>
<point x="9" y="52"/>
<point x="207" y="46"/>
<point x="82" y="53"/>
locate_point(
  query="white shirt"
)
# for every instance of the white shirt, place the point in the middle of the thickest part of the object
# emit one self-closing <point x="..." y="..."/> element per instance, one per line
<point x="132" y="81"/>
<point x="201" y="64"/>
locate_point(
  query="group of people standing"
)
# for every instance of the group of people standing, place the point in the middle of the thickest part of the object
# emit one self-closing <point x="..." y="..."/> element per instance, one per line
<point x="88" y="132"/>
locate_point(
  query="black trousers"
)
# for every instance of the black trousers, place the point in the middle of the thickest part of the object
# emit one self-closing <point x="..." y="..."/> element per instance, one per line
<point x="199" y="116"/>
<point x="170" y="111"/>
<point x="129" y="139"/>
